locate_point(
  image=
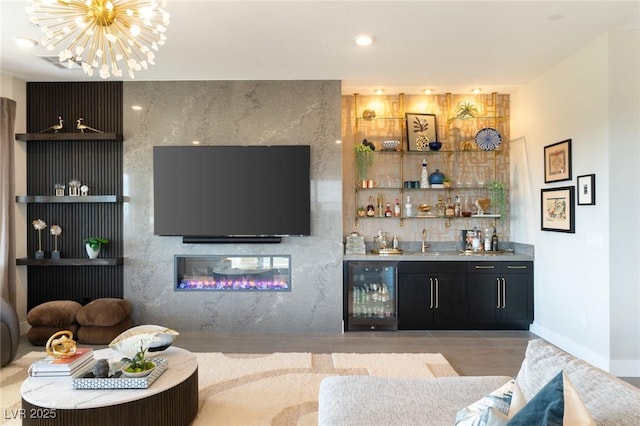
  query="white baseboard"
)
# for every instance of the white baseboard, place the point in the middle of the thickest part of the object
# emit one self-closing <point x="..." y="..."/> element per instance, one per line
<point x="619" y="368"/>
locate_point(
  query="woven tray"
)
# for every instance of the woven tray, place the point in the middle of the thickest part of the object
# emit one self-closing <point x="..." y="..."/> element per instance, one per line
<point x="122" y="382"/>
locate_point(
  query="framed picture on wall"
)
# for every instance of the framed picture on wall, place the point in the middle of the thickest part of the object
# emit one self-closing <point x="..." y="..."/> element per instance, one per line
<point x="557" y="161"/>
<point x="586" y="188"/>
<point x="421" y="129"/>
<point x="557" y="213"/>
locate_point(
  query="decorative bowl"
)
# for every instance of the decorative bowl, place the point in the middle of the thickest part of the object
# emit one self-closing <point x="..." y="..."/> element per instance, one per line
<point x="139" y="374"/>
<point x="435" y="145"/>
<point x="390" y="145"/>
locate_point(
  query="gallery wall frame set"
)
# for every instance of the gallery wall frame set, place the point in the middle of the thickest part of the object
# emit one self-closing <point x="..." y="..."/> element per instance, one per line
<point x="557" y="209"/>
<point x="557" y="161"/>
<point x="586" y="188"/>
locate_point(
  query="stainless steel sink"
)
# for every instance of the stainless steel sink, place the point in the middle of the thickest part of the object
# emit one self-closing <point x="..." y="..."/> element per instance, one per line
<point x="433" y="253"/>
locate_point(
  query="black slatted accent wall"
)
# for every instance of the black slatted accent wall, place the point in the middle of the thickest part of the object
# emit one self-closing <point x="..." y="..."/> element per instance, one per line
<point x="96" y="163"/>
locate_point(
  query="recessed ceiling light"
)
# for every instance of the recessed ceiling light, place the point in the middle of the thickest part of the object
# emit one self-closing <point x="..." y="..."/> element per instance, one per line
<point x="476" y="91"/>
<point x="25" y="42"/>
<point x="338" y="142"/>
<point x="136" y="108"/>
<point x="379" y="91"/>
<point x="364" y="40"/>
<point x="428" y="91"/>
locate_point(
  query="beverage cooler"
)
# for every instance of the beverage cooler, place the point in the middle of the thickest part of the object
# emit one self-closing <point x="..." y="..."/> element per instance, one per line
<point x="370" y="296"/>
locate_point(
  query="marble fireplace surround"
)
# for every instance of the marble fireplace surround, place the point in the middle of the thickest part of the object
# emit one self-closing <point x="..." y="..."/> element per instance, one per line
<point x="235" y="113"/>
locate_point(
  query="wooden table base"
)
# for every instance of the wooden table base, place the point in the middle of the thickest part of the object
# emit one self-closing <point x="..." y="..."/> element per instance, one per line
<point x="175" y="406"/>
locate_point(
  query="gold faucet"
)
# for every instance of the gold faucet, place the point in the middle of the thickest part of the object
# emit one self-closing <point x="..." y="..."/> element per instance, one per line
<point x="425" y="246"/>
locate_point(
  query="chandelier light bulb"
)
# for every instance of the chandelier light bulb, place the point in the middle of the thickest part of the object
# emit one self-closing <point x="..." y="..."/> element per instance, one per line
<point x="106" y="35"/>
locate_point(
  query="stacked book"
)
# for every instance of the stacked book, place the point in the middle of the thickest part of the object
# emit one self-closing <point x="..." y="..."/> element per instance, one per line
<point x="73" y="366"/>
<point x="355" y="244"/>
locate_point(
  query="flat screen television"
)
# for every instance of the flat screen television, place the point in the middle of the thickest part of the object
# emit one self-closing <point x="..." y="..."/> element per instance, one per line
<point x="231" y="191"/>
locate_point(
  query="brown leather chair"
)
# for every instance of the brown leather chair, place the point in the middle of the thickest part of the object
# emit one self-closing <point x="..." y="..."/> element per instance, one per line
<point x="9" y="332"/>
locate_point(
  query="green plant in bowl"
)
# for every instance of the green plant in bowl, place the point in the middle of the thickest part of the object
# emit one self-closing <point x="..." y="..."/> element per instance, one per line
<point x="96" y="242"/>
<point x="139" y="365"/>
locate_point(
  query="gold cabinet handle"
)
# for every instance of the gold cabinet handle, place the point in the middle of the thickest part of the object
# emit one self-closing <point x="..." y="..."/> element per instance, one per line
<point x="516" y="266"/>
<point x="484" y="267"/>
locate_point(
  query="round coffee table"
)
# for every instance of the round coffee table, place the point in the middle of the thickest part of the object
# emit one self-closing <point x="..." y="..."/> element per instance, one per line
<point x="172" y="399"/>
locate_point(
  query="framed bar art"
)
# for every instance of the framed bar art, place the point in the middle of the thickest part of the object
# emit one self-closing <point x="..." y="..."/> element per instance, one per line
<point x="586" y="188"/>
<point x="557" y="161"/>
<point x="421" y="129"/>
<point x="557" y="212"/>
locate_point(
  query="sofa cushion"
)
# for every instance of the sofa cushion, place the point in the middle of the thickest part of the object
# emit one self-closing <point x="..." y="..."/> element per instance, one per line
<point x="100" y="335"/>
<point x="609" y="400"/>
<point x="56" y="313"/>
<point x="369" y="400"/>
<point x="39" y="336"/>
<point x="105" y="312"/>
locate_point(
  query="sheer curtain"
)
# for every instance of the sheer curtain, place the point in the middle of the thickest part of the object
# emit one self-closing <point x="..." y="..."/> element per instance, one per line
<point x="7" y="201"/>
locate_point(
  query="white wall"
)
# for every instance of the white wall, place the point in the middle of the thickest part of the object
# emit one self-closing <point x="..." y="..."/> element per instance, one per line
<point x="578" y="306"/>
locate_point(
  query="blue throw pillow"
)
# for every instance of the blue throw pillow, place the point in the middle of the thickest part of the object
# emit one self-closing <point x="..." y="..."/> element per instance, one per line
<point x="544" y="409"/>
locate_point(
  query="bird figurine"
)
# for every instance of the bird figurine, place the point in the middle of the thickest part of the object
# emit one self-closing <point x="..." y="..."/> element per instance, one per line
<point x="55" y="127"/>
<point x="83" y="127"/>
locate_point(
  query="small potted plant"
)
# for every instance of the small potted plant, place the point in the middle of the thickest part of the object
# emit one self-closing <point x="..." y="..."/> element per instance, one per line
<point x="139" y="365"/>
<point x="498" y="193"/>
<point x="93" y="246"/>
<point x="39" y="225"/>
<point x="55" y="230"/>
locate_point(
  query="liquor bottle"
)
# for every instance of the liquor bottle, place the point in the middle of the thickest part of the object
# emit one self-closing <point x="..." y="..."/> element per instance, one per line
<point x="424" y="175"/>
<point x="440" y="206"/>
<point x="387" y="211"/>
<point x="395" y="243"/>
<point x="457" y="207"/>
<point x="396" y="209"/>
<point x="466" y="206"/>
<point x="494" y="240"/>
<point x="449" y="210"/>
<point x="371" y="211"/>
<point x="408" y="208"/>
<point x="487" y="240"/>
<point x="380" y="202"/>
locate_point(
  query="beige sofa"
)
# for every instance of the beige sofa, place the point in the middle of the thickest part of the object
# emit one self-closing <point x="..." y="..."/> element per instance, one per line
<point x="366" y="400"/>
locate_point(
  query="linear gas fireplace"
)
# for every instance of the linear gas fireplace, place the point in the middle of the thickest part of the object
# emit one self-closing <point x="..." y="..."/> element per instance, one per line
<point x="232" y="273"/>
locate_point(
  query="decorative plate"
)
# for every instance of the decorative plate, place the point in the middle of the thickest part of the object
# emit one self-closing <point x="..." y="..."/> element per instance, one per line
<point x="488" y="139"/>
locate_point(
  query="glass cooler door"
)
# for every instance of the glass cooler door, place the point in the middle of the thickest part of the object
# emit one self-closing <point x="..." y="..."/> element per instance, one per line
<point x="371" y="296"/>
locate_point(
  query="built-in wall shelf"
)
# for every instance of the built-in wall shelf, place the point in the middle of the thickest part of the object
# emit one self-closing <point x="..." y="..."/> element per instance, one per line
<point x="104" y="261"/>
<point x="69" y="199"/>
<point x="28" y="137"/>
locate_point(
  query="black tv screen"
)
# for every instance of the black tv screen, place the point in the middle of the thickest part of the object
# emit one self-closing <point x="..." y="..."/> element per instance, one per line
<point x="210" y="191"/>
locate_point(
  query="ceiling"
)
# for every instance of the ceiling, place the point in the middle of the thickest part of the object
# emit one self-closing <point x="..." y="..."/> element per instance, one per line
<point x="448" y="46"/>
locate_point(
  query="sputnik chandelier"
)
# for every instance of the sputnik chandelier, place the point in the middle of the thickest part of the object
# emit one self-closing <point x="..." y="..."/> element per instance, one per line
<point x="105" y="35"/>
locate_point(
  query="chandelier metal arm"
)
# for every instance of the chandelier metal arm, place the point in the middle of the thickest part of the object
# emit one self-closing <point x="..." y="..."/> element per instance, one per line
<point x="101" y="33"/>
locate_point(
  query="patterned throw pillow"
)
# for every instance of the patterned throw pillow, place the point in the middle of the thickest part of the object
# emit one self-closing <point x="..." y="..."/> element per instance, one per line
<point x="491" y="409"/>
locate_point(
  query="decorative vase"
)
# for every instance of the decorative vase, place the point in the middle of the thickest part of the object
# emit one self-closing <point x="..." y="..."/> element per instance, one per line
<point x="39" y="254"/>
<point x="55" y="254"/>
<point x="422" y="142"/>
<point x="436" y="177"/>
<point x="91" y="252"/>
<point x="435" y="145"/>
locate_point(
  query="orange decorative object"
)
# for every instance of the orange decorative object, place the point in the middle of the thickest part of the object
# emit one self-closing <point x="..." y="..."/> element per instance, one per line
<point x="61" y="344"/>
